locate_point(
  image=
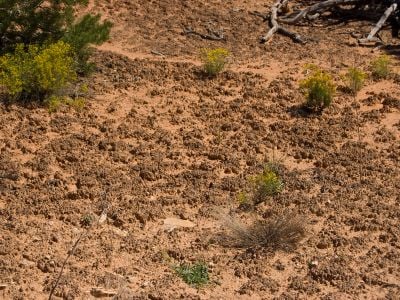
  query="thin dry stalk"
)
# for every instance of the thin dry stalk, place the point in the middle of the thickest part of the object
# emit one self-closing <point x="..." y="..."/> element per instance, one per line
<point x="71" y="252"/>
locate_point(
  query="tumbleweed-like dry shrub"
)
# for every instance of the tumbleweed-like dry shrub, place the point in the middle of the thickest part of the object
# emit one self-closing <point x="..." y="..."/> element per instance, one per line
<point x="283" y="231"/>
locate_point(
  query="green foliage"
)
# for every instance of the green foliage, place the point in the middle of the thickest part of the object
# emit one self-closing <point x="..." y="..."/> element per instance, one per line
<point x="195" y="275"/>
<point x="266" y="184"/>
<point x="37" y="71"/>
<point x="380" y="67"/>
<point x="54" y="102"/>
<point x="214" y="60"/>
<point x="87" y="220"/>
<point x="355" y="79"/>
<point x="242" y="198"/>
<point x="39" y="22"/>
<point x="319" y="89"/>
<point x="87" y="31"/>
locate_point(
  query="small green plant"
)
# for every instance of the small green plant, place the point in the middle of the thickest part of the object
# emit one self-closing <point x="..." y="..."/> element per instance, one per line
<point x="242" y="198"/>
<point x="33" y="71"/>
<point x="380" y="67"/>
<point x="214" y="60"/>
<point x="355" y="79"/>
<point x="318" y="88"/>
<point x="54" y="102"/>
<point x="87" y="220"/>
<point x="266" y="184"/>
<point x="195" y="275"/>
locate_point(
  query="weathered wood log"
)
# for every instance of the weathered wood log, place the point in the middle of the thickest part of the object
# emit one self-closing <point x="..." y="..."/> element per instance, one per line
<point x="378" y="26"/>
<point x="363" y="8"/>
<point x="314" y="9"/>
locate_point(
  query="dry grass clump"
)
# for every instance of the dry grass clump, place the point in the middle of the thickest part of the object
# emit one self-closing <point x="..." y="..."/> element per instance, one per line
<point x="283" y="231"/>
<point x="380" y="67"/>
<point x="355" y="79"/>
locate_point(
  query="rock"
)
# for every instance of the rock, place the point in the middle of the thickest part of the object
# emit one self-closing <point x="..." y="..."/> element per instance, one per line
<point x="103" y="217"/>
<point x="121" y="233"/>
<point x="172" y="223"/>
<point x="314" y="263"/>
<point x="3" y="286"/>
<point x="323" y="245"/>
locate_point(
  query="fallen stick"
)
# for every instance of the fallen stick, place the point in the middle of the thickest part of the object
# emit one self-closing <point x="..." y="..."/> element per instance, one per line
<point x="211" y="36"/>
<point x="275" y="27"/>
<point x="371" y="37"/>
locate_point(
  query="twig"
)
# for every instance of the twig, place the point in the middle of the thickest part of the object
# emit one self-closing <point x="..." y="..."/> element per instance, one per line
<point x="213" y="36"/>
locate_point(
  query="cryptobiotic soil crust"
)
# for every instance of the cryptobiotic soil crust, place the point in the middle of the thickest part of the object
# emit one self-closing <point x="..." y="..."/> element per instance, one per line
<point x="159" y="147"/>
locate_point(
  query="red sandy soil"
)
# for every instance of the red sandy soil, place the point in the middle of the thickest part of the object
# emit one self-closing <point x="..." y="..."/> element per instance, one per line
<point x="158" y="140"/>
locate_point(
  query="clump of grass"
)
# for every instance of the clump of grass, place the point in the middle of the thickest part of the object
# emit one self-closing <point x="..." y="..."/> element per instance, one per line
<point x="214" y="60"/>
<point x="266" y="184"/>
<point x="195" y="275"/>
<point x="319" y="89"/>
<point x="87" y="220"/>
<point x="380" y="67"/>
<point x="284" y="231"/>
<point x="54" y="102"/>
<point x="355" y="79"/>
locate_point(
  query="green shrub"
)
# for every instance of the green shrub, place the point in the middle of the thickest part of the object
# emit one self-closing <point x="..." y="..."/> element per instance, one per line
<point x="380" y="67"/>
<point x="87" y="31"/>
<point x="40" y="72"/>
<point x="319" y="89"/>
<point x="39" y="22"/>
<point x="266" y="184"/>
<point x="87" y="220"/>
<point x="355" y="79"/>
<point x="214" y="60"/>
<point x="195" y="275"/>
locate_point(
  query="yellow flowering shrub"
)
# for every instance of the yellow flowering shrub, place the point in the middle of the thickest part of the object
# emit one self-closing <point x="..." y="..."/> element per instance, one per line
<point x="318" y="88"/>
<point x="266" y="184"/>
<point x="33" y="71"/>
<point x="214" y="60"/>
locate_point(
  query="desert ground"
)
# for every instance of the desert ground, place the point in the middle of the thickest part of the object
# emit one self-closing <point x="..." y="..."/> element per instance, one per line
<point x="159" y="148"/>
